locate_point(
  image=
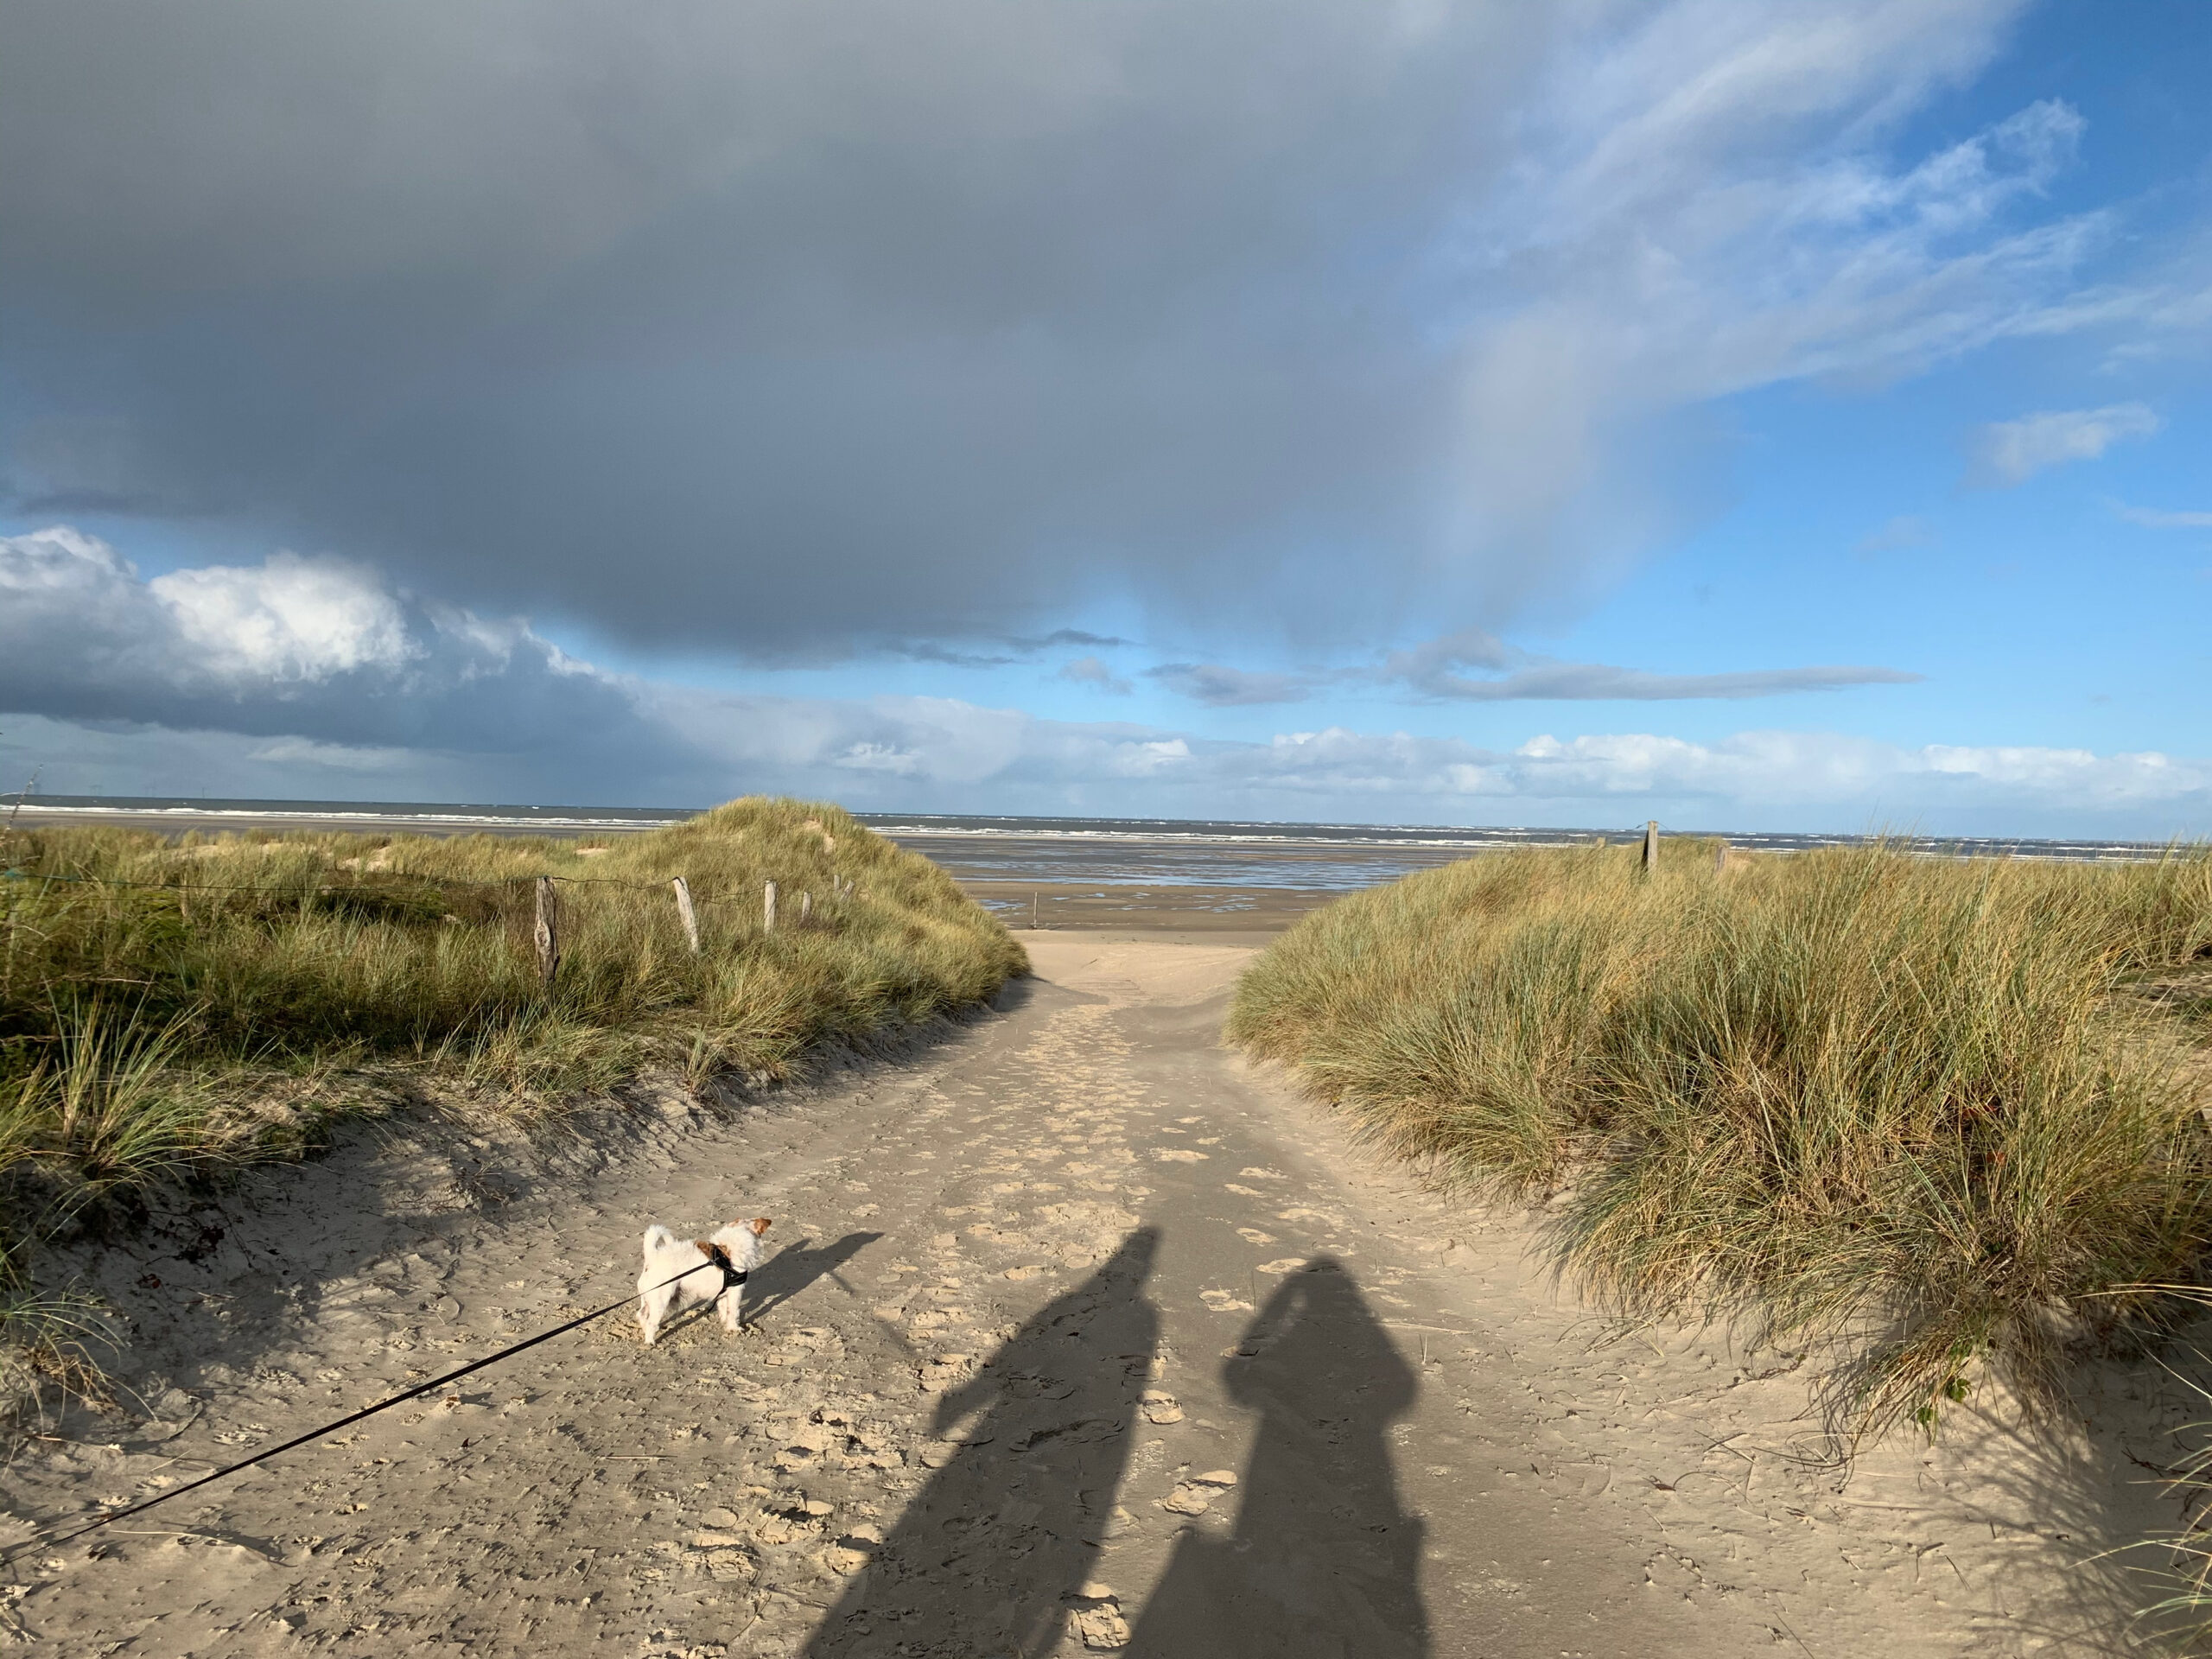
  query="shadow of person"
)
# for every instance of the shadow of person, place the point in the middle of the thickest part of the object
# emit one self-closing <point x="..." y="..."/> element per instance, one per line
<point x="795" y="1267"/>
<point x="1322" y="1561"/>
<point x="985" y="1558"/>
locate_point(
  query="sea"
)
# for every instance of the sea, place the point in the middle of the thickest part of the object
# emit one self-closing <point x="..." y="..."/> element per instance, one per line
<point x="1146" y="852"/>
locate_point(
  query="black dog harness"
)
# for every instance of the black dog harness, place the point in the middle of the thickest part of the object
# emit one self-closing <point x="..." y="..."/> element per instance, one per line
<point x="732" y="1276"/>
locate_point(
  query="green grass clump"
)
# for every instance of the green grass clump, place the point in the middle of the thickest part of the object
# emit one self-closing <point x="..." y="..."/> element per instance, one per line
<point x="167" y="1007"/>
<point x="1918" y="1104"/>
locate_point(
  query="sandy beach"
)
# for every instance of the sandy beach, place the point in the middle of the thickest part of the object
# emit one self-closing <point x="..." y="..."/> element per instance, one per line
<point x="1080" y="1335"/>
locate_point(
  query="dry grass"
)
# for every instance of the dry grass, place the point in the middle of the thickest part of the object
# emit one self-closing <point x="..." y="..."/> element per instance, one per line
<point x="168" y="1008"/>
<point x="1907" y="1104"/>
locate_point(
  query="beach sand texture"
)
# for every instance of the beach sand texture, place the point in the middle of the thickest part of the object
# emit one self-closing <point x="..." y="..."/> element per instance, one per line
<point x="1081" y="1336"/>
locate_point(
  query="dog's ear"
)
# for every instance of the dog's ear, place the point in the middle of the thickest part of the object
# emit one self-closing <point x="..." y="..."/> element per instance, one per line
<point x="703" y="1248"/>
<point x="760" y="1224"/>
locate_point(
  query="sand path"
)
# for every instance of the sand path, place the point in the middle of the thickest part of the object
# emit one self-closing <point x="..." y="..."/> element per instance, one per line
<point x="1082" y="1336"/>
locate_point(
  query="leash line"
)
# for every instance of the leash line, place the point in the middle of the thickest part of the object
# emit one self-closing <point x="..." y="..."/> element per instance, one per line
<point x="731" y="1276"/>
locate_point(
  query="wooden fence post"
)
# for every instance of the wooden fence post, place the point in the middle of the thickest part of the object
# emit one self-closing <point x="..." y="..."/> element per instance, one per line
<point x="1721" y="858"/>
<point x="685" y="914"/>
<point x="768" y="908"/>
<point x="546" y="933"/>
<point x="1033" y="910"/>
<point x="805" y="907"/>
<point x="1651" y="846"/>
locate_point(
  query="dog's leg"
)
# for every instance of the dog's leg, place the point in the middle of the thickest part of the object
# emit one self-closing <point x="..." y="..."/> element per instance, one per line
<point x="652" y="1308"/>
<point x="731" y="1306"/>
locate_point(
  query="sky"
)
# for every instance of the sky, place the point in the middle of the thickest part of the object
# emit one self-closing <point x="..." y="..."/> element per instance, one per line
<point x="1787" y="416"/>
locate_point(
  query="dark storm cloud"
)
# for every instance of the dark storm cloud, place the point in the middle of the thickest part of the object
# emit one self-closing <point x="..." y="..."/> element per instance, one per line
<point x="806" y="327"/>
<point x="792" y="326"/>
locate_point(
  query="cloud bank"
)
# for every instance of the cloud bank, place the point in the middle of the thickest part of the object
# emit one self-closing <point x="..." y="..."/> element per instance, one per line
<point x="801" y="328"/>
<point x="312" y="677"/>
<point x="317" y="651"/>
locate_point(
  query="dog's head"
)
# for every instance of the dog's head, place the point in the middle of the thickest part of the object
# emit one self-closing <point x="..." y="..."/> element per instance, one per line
<point x="757" y="1226"/>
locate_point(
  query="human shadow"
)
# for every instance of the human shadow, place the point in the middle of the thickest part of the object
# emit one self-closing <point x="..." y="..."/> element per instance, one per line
<point x="985" y="1559"/>
<point x="795" y="1267"/>
<point x="1324" y="1560"/>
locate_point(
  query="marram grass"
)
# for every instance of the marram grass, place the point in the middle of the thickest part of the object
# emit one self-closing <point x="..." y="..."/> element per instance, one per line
<point x="1919" y="1106"/>
<point x="181" y="1007"/>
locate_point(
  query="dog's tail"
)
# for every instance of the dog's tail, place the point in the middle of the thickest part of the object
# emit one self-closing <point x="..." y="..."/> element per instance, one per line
<point x="658" y="1237"/>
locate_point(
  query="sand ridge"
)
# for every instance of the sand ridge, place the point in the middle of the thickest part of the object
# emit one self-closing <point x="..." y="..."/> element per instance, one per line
<point x="1079" y="1335"/>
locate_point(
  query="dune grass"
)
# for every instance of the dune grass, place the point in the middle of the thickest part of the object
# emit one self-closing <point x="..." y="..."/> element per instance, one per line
<point x="171" y="1006"/>
<point x="1923" y="1107"/>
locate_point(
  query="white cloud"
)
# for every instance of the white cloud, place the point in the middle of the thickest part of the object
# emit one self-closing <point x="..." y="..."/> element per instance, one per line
<point x="2155" y="518"/>
<point x="317" y="649"/>
<point x="289" y="619"/>
<point x="2005" y="453"/>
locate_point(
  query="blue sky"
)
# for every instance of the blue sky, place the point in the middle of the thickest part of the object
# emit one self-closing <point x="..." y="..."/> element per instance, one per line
<point x="1787" y="416"/>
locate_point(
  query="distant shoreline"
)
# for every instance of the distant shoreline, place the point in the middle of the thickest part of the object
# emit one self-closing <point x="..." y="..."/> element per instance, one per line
<point x="178" y="815"/>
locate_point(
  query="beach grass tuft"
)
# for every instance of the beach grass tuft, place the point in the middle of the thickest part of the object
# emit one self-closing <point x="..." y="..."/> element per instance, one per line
<point x="1926" y="1110"/>
<point x="170" y="1007"/>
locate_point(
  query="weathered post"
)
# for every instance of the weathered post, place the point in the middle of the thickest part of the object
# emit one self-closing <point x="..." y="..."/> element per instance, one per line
<point x="546" y="933"/>
<point x="768" y="908"/>
<point x="685" y="914"/>
<point x="1721" y="858"/>
<point x="1651" y="846"/>
<point x="805" y="907"/>
<point x="1033" y="910"/>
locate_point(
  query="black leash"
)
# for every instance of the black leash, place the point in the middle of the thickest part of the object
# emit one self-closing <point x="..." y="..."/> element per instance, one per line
<point x="717" y="1256"/>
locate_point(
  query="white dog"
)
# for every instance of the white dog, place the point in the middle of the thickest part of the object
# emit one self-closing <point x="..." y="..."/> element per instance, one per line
<point x="664" y="1285"/>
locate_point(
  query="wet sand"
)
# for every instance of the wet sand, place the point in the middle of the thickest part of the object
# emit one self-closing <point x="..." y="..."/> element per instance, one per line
<point x="1218" y="914"/>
